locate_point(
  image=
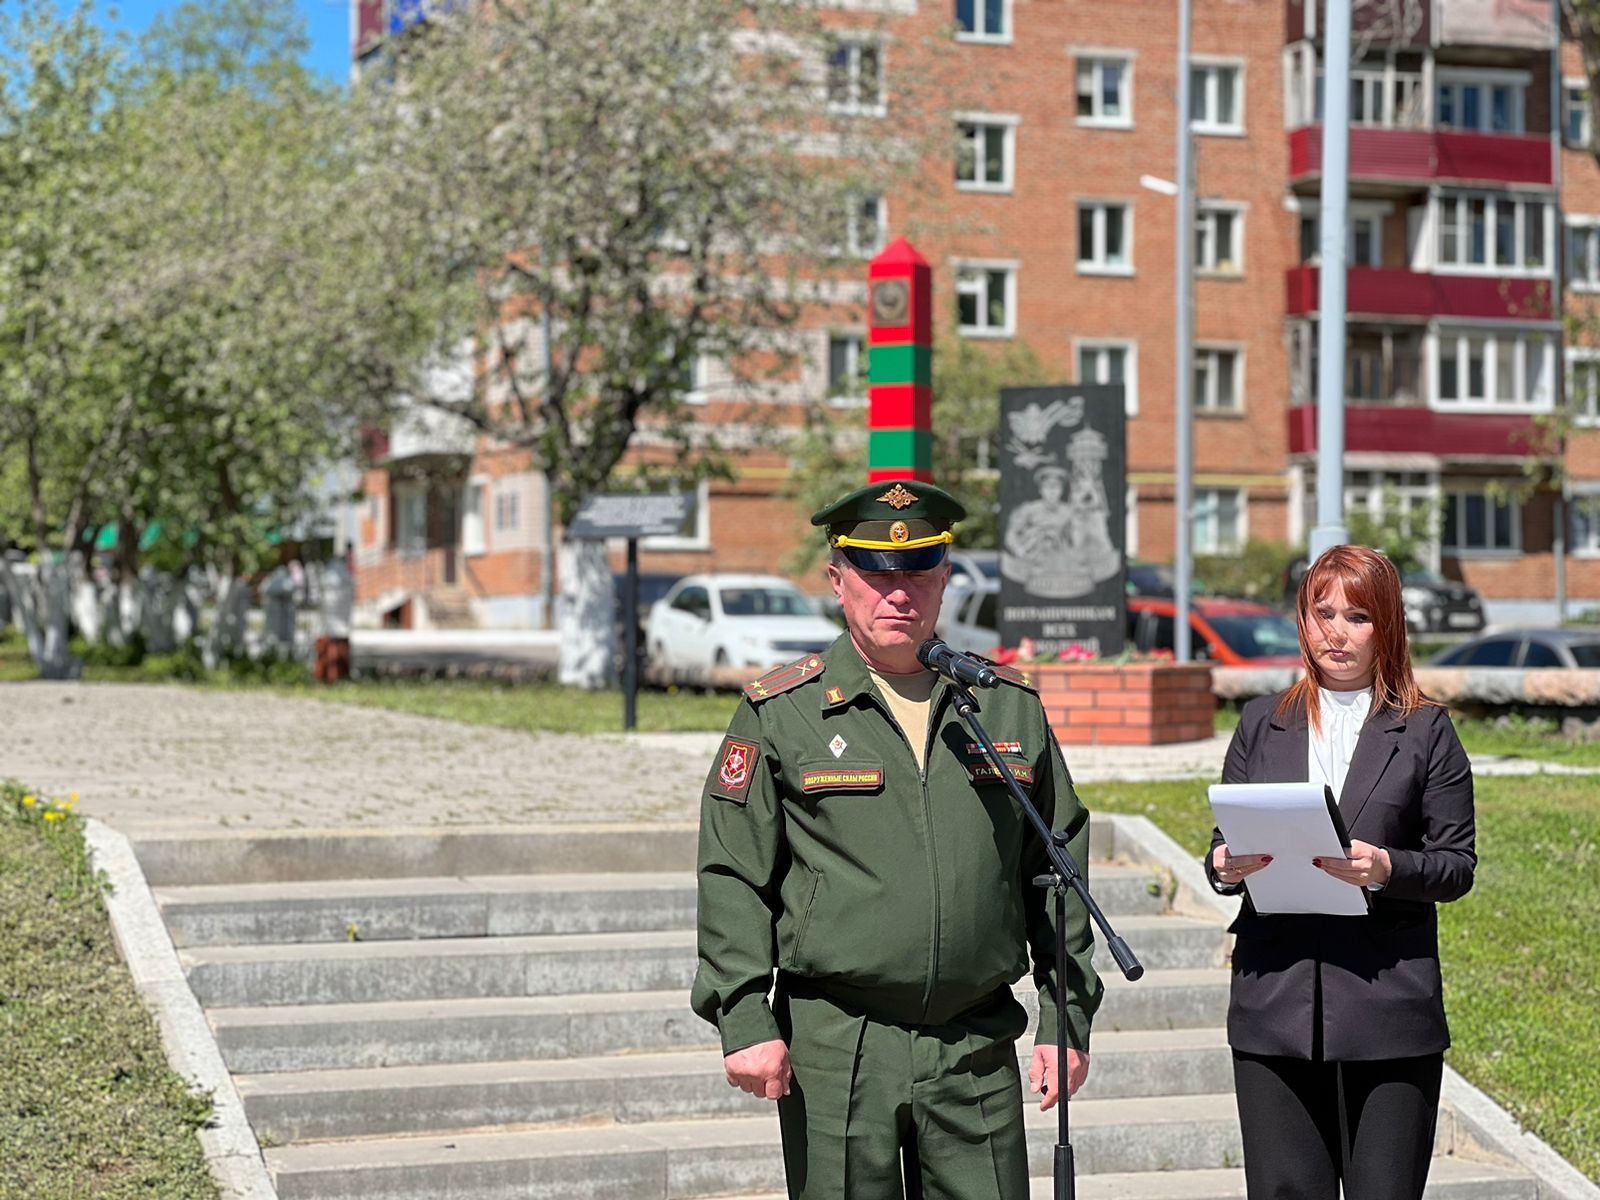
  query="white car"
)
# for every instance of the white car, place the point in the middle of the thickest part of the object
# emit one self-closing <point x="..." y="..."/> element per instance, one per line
<point x="735" y="620"/>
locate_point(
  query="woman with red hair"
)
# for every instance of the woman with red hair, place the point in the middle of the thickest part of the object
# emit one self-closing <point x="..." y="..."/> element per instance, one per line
<point x="1337" y="1023"/>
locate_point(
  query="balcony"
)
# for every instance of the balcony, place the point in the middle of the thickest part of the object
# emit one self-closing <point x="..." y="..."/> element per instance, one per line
<point x="1386" y="293"/>
<point x="1422" y="156"/>
<point x="1399" y="430"/>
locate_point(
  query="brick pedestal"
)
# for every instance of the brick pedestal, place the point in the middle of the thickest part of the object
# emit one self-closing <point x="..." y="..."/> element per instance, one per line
<point x="1131" y="704"/>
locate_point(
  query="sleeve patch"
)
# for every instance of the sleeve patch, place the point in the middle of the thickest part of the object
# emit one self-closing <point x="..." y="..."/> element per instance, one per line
<point x="987" y="772"/>
<point x="736" y="765"/>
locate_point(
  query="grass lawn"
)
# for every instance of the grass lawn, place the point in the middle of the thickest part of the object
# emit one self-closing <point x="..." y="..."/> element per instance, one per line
<point x="1522" y="976"/>
<point x="90" y="1107"/>
<point x="543" y="707"/>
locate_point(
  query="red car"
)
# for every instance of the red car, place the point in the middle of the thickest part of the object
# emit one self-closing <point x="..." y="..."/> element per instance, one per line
<point x="1232" y="633"/>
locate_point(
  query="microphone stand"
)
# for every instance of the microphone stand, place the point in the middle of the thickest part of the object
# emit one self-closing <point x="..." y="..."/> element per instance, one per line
<point x="1063" y="876"/>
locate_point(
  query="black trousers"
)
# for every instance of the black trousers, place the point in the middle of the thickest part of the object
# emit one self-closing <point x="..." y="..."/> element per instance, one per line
<point x="1311" y="1125"/>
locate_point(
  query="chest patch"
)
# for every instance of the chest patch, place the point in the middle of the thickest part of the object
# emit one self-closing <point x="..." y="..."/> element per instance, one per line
<point x="735" y="768"/>
<point x="987" y="772"/>
<point x="841" y="779"/>
<point x="838" y="745"/>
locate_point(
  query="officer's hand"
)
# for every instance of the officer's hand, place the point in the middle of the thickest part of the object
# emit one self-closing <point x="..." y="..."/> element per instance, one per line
<point x="762" y="1069"/>
<point x="1044" y="1073"/>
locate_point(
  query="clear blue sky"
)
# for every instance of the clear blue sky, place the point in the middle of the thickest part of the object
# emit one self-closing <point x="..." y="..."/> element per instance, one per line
<point x="327" y="21"/>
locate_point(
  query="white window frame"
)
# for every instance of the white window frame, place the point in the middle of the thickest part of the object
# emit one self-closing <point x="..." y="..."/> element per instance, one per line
<point x="1579" y="103"/>
<point x="474" y="536"/>
<point x="1584" y="408"/>
<point x="1589" y="227"/>
<point x="1456" y="79"/>
<point x="1454" y="495"/>
<point x="1368" y="491"/>
<point x="1205" y="218"/>
<point x="1211" y="66"/>
<point x="698" y="391"/>
<point x="1206" y="405"/>
<point x="505" y="498"/>
<point x="1130" y="366"/>
<point x="1585" y="503"/>
<point x="1095" y="263"/>
<point x="1207" y="498"/>
<point x="410" y="542"/>
<point x="1130" y="522"/>
<point x="855" y="222"/>
<point x="854" y="44"/>
<point x="1007" y="124"/>
<point x="972" y="276"/>
<point x="1523" y="205"/>
<point x="1095" y="61"/>
<point x="1366" y="212"/>
<point x="700" y="539"/>
<point x="1498" y="340"/>
<point x="984" y="36"/>
<point x="836" y="398"/>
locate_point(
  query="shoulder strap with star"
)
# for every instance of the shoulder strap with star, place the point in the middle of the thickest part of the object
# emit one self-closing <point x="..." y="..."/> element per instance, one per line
<point x="782" y="679"/>
<point x="1012" y="675"/>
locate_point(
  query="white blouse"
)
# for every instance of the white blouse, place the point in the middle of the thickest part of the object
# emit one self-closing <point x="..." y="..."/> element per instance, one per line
<point x="1330" y="751"/>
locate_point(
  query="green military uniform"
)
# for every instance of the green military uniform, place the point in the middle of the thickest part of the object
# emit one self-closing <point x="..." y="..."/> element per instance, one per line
<point x="897" y="906"/>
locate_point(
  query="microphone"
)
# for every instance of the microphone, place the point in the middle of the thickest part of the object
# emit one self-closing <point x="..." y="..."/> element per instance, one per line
<point x="953" y="665"/>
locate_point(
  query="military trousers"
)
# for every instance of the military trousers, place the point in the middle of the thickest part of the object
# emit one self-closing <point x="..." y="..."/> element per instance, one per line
<point x="879" y="1110"/>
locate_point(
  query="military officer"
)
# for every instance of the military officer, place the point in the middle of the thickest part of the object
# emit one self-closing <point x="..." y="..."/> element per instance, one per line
<point x="856" y="840"/>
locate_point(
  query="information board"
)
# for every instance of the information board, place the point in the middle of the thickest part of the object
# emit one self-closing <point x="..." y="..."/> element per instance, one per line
<point x="630" y="515"/>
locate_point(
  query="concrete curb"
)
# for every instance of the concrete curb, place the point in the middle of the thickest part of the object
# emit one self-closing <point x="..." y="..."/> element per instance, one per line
<point x="1480" y="1119"/>
<point x="1142" y="840"/>
<point x="231" y="1149"/>
<point x="1490" y="1126"/>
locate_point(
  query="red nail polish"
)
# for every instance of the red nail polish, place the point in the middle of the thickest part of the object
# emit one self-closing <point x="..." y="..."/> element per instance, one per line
<point x="1265" y="859"/>
<point x="1316" y="862"/>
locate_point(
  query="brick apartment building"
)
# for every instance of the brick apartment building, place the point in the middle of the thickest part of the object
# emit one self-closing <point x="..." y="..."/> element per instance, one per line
<point x="1474" y="194"/>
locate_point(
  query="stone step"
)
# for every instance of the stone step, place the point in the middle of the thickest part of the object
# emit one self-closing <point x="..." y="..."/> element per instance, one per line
<point x="1450" y="1178"/>
<point x="683" y="1159"/>
<point x="330" y="854"/>
<point x="415" y="1033"/>
<point x="371" y="910"/>
<point x="632" y="1088"/>
<point x="364" y="972"/>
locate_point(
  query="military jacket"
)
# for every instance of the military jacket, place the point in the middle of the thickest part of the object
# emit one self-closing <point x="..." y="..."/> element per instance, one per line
<point x="825" y="853"/>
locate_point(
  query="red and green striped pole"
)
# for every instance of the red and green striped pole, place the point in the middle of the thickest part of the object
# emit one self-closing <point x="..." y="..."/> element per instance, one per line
<point x="900" y="366"/>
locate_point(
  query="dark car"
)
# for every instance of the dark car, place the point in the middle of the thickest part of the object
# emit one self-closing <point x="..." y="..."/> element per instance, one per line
<point x="1156" y="579"/>
<point x="1231" y="633"/>
<point x="1525" y="648"/>
<point x="1433" y="603"/>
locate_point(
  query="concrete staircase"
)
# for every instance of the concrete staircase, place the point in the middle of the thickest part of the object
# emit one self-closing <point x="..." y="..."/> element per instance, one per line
<point x="408" y="1019"/>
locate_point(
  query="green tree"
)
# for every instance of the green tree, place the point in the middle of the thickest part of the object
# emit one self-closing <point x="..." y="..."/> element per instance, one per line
<point x="660" y="183"/>
<point x="829" y="455"/>
<point x="63" y="406"/>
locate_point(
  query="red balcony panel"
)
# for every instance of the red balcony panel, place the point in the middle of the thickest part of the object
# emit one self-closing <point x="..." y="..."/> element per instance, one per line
<point x="1390" y="292"/>
<point x="369" y="25"/>
<point x="1419" y="430"/>
<point x="1495" y="157"/>
<point x="1421" y="155"/>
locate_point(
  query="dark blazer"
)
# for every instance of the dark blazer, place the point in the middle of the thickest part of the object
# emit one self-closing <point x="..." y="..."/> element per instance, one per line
<point x="1312" y="986"/>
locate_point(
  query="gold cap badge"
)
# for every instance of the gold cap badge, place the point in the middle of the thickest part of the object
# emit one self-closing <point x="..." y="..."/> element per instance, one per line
<point x="898" y="497"/>
<point x="899" y="532"/>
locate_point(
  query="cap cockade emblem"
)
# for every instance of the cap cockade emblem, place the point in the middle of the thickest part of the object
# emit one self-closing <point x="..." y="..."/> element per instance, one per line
<point x="898" y="497"/>
<point x="899" y="532"/>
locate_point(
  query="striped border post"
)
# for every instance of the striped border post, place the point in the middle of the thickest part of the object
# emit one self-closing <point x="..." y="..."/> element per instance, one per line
<point x="900" y="366"/>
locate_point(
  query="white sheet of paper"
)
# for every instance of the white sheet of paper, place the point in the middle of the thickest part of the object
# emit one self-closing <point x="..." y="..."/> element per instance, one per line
<point x="1289" y="821"/>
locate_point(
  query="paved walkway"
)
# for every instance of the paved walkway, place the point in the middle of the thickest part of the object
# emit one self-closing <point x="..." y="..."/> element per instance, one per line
<point x="148" y="758"/>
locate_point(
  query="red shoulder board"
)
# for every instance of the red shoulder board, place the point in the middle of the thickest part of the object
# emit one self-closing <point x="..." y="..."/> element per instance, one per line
<point x="1012" y="675"/>
<point x="781" y="679"/>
